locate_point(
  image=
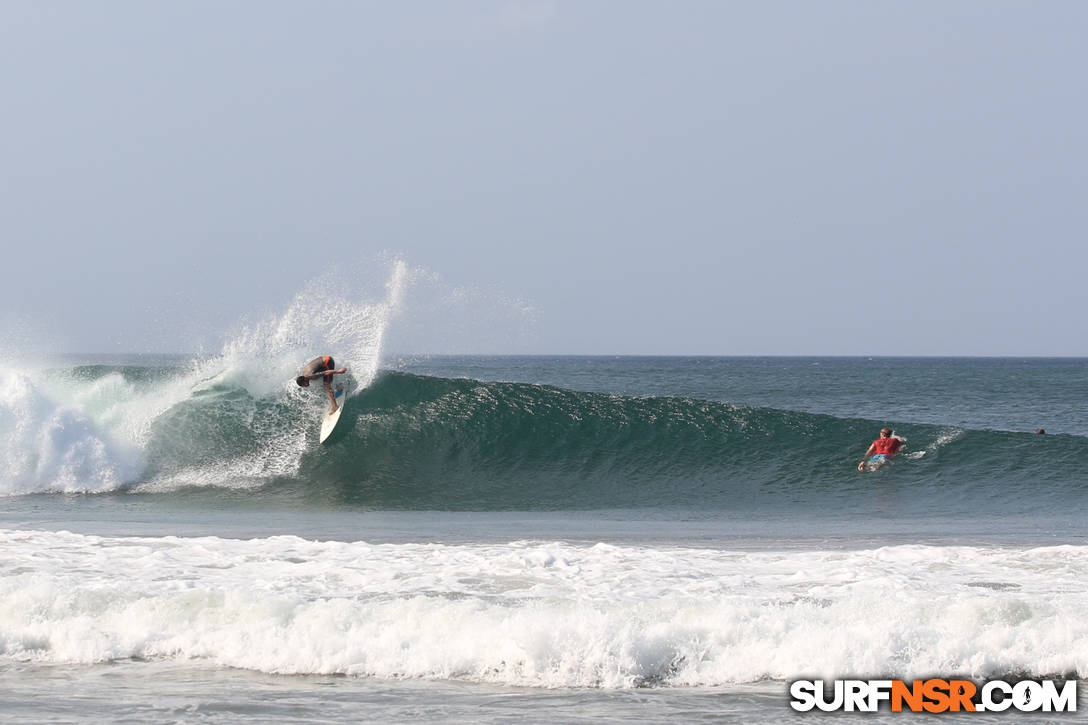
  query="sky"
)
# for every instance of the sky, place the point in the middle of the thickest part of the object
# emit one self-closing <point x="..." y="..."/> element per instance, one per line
<point x="593" y="177"/>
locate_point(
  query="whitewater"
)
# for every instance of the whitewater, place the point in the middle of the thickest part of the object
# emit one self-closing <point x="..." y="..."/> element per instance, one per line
<point x="542" y="614"/>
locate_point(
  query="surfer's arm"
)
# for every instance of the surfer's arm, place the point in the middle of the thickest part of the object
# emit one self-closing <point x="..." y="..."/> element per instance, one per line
<point x="872" y="447"/>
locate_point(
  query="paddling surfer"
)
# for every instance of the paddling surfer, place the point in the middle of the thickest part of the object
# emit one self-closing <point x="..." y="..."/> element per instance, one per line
<point x="882" y="450"/>
<point x="321" y="367"/>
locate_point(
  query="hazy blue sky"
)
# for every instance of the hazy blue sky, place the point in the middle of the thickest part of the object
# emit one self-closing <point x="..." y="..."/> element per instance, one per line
<point x="649" y="177"/>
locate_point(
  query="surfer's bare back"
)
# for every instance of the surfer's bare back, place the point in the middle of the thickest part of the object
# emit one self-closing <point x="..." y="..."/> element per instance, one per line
<point x="321" y="367"/>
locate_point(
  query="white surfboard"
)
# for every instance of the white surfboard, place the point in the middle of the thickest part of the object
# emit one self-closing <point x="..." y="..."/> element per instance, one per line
<point x="329" y="423"/>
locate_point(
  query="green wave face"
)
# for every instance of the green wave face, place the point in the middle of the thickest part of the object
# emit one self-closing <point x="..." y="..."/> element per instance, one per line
<point x="418" y="442"/>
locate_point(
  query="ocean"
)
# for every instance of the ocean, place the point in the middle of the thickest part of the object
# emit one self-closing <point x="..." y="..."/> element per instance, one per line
<point x="542" y="539"/>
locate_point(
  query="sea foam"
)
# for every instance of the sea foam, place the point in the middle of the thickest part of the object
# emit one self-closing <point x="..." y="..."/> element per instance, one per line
<point x="543" y="614"/>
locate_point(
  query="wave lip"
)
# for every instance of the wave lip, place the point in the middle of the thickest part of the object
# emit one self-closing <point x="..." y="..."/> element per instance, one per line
<point x="544" y="614"/>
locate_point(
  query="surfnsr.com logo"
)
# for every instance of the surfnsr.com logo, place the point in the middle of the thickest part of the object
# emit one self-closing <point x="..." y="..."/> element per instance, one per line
<point x="934" y="695"/>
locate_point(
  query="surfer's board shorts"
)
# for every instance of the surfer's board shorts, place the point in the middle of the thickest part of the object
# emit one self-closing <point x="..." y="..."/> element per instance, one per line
<point x="879" y="458"/>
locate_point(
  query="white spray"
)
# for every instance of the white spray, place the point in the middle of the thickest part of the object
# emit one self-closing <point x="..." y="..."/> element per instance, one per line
<point x="62" y="433"/>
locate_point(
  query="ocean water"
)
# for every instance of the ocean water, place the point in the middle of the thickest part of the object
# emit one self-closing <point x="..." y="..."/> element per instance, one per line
<point x="549" y="539"/>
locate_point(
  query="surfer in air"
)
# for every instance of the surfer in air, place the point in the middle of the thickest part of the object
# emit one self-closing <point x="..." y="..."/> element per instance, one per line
<point x="882" y="450"/>
<point x="321" y="367"/>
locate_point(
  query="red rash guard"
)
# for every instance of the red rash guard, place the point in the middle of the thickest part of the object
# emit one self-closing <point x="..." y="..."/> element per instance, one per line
<point x="887" y="446"/>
